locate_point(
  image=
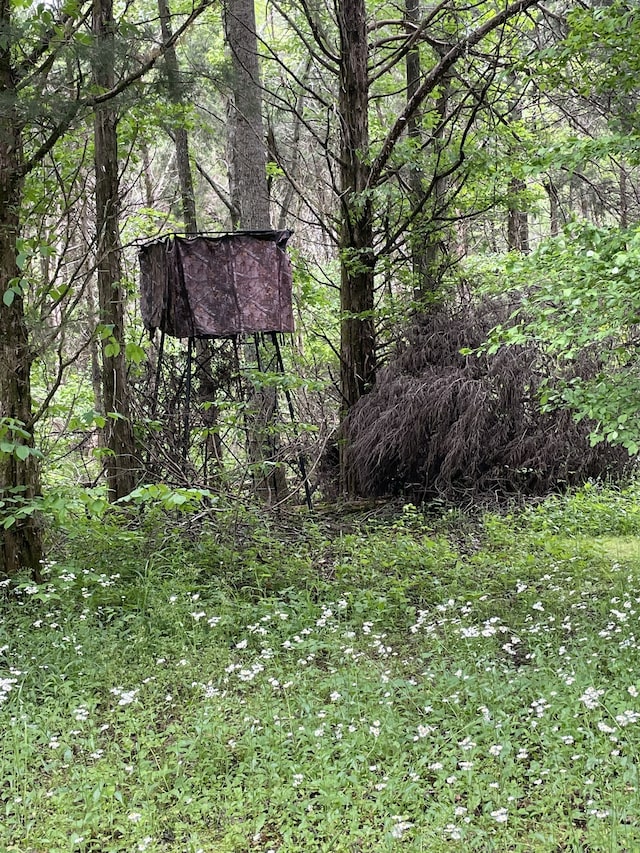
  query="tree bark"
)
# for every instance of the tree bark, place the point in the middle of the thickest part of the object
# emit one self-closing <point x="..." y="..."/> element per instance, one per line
<point x="517" y="218"/>
<point x="357" y="334"/>
<point x="249" y="190"/>
<point x="21" y="545"/>
<point x="417" y="247"/>
<point x="207" y="387"/>
<point x="554" y="207"/>
<point x="251" y="211"/>
<point x="624" y="201"/>
<point x="426" y="240"/>
<point x="121" y="462"/>
<point x="179" y="133"/>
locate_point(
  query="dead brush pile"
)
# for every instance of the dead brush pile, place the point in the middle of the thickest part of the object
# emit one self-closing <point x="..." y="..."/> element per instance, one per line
<point x="441" y="424"/>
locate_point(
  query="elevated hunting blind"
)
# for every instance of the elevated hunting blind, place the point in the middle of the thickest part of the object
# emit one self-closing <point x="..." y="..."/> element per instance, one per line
<point x="217" y="287"/>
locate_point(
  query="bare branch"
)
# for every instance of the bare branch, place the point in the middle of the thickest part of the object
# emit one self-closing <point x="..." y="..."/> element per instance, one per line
<point x="435" y="76"/>
<point x="89" y="103"/>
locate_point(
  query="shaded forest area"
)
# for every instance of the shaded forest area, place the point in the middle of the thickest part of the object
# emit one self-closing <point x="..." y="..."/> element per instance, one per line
<point x="461" y="181"/>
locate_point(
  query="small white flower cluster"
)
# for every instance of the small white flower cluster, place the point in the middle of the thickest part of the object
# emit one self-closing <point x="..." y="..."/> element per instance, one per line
<point x="539" y="706"/>
<point x="67" y="577"/>
<point x="627" y="718"/>
<point x="125" y="697"/>
<point x="500" y="815"/>
<point x="487" y="629"/>
<point x="212" y="621"/>
<point x="424" y="731"/>
<point x="6" y="686"/>
<point x="591" y="697"/>
<point x="400" y="827"/>
<point x="245" y="673"/>
<point x="453" y="832"/>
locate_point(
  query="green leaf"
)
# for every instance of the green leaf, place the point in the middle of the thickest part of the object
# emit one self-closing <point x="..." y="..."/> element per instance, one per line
<point x="176" y="499"/>
<point x="104" y="330"/>
<point x="135" y="353"/>
<point x="22" y="451"/>
<point x="8" y="296"/>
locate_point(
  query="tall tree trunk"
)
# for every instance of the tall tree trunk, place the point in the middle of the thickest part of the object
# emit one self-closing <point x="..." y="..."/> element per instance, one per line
<point x="426" y="240"/>
<point x="624" y="201"/>
<point x="357" y="328"/>
<point x="417" y="245"/>
<point x="179" y="133"/>
<point x="20" y="546"/>
<point x="357" y="335"/>
<point x="250" y="202"/>
<point x="249" y="190"/>
<point x="517" y="218"/>
<point x="96" y="369"/>
<point x="121" y="461"/>
<point x="207" y="387"/>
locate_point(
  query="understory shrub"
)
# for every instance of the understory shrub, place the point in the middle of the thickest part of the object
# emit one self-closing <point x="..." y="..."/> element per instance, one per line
<point x="443" y="423"/>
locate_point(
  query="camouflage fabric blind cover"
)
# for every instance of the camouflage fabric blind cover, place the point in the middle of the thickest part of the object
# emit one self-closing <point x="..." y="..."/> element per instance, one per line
<point x="207" y="287"/>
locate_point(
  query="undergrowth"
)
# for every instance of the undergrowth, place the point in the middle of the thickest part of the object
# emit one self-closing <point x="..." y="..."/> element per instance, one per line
<point x="246" y="683"/>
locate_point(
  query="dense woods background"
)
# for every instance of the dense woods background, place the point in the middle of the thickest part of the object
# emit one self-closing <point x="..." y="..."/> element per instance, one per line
<point x="462" y="183"/>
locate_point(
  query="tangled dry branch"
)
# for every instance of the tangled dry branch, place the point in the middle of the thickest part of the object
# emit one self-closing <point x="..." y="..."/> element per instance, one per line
<point x="439" y="423"/>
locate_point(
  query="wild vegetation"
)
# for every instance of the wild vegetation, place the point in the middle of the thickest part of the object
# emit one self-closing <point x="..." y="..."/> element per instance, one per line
<point x="381" y="681"/>
<point x="286" y="592"/>
<point x="452" y="421"/>
<point x="423" y="157"/>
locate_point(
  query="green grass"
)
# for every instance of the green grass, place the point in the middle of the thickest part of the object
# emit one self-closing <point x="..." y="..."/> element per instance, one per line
<point x="418" y="684"/>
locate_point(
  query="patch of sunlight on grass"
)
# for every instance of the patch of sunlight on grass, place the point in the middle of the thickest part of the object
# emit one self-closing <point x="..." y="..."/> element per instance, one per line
<point x="619" y="548"/>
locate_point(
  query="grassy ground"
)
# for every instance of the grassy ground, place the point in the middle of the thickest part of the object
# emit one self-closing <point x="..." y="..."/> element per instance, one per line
<point x="400" y="683"/>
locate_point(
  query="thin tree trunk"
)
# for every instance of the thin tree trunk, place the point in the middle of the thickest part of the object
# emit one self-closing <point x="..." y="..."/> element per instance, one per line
<point x="207" y="387"/>
<point x="554" y="208"/>
<point x="21" y="545"/>
<point x="426" y="240"/>
<point x="624" y="201"/>
<point x="96" y="370"/>
<point x="416" y="240"/>
<point x="121" y="461"/>
<point x="179" y="133"/>
<point x="517" y="219"/>
<point x="357" y="328"/>
<point x="250" y="202"/>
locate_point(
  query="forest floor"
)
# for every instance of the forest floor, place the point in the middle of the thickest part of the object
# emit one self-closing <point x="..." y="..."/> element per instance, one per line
<point x="377" y="681"/>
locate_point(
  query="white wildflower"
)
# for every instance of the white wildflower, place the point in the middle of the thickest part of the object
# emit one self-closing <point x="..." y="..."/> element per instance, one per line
<point x="591" y="697"/>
